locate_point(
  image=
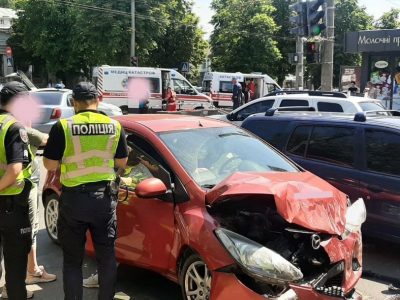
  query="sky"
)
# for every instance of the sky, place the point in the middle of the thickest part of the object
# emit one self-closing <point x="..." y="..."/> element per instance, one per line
<point x="374" y="7"/>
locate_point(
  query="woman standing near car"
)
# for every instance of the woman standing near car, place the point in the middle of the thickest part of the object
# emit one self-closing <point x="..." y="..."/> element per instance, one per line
<point x="171" y="100"/>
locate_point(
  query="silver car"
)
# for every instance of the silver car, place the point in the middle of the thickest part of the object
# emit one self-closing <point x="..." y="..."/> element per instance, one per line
<point x="56" y="104"/>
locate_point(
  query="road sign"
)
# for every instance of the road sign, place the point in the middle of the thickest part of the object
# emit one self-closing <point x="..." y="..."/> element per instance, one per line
<point x="185" y="67"/>
<point x="10" y="62"/>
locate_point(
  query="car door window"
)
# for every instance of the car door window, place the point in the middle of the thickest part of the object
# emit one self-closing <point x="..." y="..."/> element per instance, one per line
<point x="144" y="162"/>
<point x="182" y="87"/>
<point x="329" y="107"/>
<point x="298" y="141"/>
<point x="294" y="102"/>
<point x="383" y="150"/>
<point x="332" y="144"/>
<point x="251" y="109"/>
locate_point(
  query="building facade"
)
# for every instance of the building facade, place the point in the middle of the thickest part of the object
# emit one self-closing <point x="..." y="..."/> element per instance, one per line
<point x="380" y="51"/>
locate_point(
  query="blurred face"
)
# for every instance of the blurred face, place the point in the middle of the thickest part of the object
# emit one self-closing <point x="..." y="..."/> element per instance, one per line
<point x="234" y="81"/>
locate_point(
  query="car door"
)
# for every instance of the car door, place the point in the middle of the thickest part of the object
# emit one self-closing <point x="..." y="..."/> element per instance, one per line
<point x="251" y="109"/>
<point x="328" y="151"/>
<point x="145" y="226"/>
<point x="380" y="181"/>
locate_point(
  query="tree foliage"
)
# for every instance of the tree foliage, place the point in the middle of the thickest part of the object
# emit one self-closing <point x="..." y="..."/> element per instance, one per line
<point x="244" y="37"/>
<point x="71" y="38"/>
<point x="389" y="20"/>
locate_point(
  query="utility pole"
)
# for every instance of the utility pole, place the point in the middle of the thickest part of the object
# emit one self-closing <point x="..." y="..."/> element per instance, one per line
<point x="300" y="63"/>
<point x="328" y="48"/>
<point x="298" y="19"/>
<point x="133" y="37"/>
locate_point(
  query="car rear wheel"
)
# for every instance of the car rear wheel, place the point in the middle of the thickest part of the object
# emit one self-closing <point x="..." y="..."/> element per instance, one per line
<point x="195" y="279"/>
<point x="51" y="216"/>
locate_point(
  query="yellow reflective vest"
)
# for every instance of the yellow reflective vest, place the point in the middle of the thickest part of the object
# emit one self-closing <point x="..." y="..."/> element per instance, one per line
<point x="5" y="122"/>
<point x="91" y="141"/>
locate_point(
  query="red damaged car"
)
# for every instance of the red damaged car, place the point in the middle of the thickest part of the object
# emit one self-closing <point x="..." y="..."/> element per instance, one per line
<point x="226" y="216"/>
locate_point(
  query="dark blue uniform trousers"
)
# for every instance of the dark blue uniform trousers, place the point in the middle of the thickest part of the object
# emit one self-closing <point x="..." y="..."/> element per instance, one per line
<point x="16" y="242"/>
<point x="81" y="210"/>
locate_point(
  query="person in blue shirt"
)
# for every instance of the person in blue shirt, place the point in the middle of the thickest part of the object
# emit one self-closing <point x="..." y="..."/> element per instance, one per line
<point x="236" y="93"/>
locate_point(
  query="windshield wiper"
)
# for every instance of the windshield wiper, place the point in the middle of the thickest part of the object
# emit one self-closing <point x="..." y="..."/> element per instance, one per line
<point x="208" y="186"/>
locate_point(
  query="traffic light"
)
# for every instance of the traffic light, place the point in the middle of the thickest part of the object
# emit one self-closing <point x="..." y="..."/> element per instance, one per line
<point x="135" y="61"/>
<point x="315" y="17"/>
<point x="312" y="53"/>
<point x="299" y="19"/>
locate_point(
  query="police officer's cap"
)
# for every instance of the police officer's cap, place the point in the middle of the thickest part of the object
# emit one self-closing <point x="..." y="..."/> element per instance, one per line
<point x="10" y="89"/>
<point x="84" y="91"/>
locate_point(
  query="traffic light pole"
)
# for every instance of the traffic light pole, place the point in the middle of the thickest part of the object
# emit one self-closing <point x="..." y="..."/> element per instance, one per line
<point x="300" y="63"/>
<point x="133" y="37"/>
<point x="328" y="48"/>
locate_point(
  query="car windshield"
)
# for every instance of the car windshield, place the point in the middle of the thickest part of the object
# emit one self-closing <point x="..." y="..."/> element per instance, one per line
<point x="368" y="106"/>
<point x="48" y="98"/>
<point x="213" y="154"/>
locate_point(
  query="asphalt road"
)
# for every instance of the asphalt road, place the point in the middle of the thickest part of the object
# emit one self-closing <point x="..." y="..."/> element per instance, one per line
<point x="381" y="264"/>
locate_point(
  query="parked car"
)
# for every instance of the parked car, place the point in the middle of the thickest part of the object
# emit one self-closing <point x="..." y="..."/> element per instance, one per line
<point x="56" y="104"/>
<point x="228" y="217"/>
<point x="359" y="155"/>
<point x="319" y="101"/>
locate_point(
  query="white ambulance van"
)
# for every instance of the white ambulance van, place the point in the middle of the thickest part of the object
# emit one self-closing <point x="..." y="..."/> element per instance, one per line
<point x="218" y="85"/>
<point x="112" y="84"/>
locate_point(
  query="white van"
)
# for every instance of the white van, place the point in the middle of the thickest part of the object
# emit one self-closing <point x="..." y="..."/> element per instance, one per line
<point x="218" y="86"/>
<point x="112" y="83"/>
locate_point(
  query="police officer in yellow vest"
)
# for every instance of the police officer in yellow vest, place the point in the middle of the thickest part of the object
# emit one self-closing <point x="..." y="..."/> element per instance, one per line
<point x="87" y="147"/>
<point x="15" y="227"/>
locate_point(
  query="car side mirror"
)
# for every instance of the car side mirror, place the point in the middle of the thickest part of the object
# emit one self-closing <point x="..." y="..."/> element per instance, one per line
<point x="151" y="188"/>
<point x="231" y="117"/>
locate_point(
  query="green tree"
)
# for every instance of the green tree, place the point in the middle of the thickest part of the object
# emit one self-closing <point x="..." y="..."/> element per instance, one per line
<point x="286" y="42"/>
<point x="5" y="3"/>
<point x="183" y="39"/>
<point x="244" y="37"/>
<point x="389" y="20"/>
<point x="70" y="38"/>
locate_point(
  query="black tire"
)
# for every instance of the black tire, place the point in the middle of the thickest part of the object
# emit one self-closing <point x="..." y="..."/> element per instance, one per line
<point x="51" y="216"/>
<point x="190" y="262"/>
<point x="198" y="108"/>
<point x="216" y="103"/>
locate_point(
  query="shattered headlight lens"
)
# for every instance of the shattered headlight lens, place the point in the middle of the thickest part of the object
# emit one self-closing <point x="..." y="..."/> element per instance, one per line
<point x="355" y="216"/>
<point x="257" y="260"/>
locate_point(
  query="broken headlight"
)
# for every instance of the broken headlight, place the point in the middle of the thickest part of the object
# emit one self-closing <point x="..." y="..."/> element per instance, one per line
<point x="355" y="216"/>
<point x="257" y="260"/>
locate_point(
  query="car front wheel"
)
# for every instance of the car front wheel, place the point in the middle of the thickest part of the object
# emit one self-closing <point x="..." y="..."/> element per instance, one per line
<point x="51" y="216"/>
<point x="195" y="279"/>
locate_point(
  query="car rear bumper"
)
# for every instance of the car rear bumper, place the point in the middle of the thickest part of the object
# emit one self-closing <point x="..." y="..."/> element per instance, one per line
<point x="226" y="286"/>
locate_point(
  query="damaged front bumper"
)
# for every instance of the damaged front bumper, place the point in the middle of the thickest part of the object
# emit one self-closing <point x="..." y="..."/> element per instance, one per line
<point x="227" y="286"/>
<point x="336" y="280"/>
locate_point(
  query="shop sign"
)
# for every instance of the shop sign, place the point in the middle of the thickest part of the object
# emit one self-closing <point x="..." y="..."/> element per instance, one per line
<point x="372" y="41"/>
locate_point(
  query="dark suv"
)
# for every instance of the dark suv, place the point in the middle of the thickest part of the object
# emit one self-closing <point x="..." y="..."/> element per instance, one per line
<point x="358" y="154"/>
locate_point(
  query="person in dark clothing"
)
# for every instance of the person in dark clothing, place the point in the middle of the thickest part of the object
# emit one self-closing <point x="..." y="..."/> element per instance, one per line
<point x="15" y="225"/>
<point x="87" y="147"/>
<point x="236" y="93"/>
<point x="353" y="89"/>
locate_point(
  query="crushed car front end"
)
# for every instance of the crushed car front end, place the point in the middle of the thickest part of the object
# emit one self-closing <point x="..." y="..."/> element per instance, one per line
<point x="291" y="236"/>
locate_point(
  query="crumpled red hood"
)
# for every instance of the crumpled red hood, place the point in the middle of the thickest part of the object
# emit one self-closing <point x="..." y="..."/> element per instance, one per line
<point x="301" y="198"/>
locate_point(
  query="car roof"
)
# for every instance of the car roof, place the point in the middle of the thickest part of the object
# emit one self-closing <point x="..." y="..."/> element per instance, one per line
<point x="52" y="90"/>
<point x="303" y="96"/>
<point x="170" y="122"/>
<point x="380" y="120"/>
